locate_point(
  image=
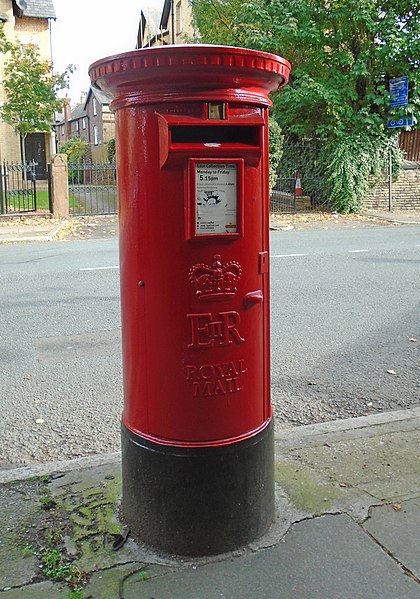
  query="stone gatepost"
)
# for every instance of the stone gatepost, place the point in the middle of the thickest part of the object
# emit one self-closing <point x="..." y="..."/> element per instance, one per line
<point x="59" y="186"/>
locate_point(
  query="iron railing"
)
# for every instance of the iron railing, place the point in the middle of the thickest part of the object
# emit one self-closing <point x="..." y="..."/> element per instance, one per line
<point x="17" y="187"/>
<point x="92" y="188"/>
<point x="300" y="184"/>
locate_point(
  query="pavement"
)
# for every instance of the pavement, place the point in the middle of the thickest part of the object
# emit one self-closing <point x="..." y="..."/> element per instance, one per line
<point x="347" y="525"/>
<point x="400" y="217"/>
<point x="347" y="520"/>
<point x="43" y="228"/>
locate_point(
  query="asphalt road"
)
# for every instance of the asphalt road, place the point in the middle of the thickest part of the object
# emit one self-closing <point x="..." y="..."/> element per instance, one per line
<point x="60" y="388"/>
<point x="345" y="322"/>
<point x="345" y="336"/>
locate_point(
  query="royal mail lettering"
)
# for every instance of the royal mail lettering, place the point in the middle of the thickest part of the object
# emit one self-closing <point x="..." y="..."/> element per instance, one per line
<point x="210" y="380"/>
<point x="214" y="371"/>
<point x="209" y="331"/>
<point x="213" y="388"/>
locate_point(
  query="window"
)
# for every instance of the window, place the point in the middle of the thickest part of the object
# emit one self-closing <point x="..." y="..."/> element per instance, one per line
<point x="62" y="129"/>
<point x="84" y="123"/>
<point x="95" y="107"/>
<point x="96" y="135"/>
<point x="77" y="126"/>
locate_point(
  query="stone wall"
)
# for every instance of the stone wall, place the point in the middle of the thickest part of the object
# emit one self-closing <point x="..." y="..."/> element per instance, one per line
<point x="405" y="191"/>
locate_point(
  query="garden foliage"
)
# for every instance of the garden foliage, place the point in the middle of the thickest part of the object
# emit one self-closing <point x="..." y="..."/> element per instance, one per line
<point x="343" y="55"/>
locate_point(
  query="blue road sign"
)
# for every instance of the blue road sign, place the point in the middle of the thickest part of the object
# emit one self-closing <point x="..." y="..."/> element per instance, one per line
<point x="398" y="90"/>
<point x="401" y="122"/>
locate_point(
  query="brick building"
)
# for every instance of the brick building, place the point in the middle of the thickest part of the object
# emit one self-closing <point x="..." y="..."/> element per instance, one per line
<point x="26" y="23"/>
<point x="92" y="121"/>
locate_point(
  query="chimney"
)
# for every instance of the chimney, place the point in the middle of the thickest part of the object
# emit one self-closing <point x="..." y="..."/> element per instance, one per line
<point x="67" y="109"/>
<point x="67" y="117"/>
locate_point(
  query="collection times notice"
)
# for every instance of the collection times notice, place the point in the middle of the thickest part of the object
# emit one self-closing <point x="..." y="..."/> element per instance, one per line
<point x="216" y="198"/>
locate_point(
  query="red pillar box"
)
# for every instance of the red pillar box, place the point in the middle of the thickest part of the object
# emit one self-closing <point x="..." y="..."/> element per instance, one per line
<point x="192" y="159"/>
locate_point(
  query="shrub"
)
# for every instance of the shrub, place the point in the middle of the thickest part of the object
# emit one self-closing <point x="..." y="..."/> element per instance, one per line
<point x="111" y="150"/>
<point x="275" y="151"/>
<point x="75" y="149"/>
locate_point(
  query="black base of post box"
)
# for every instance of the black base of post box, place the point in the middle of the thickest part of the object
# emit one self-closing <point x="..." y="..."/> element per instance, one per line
<point x="198" y="501"/>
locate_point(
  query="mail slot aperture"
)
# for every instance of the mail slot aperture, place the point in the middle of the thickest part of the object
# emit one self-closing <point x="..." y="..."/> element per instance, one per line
<point x="182" y="136"/>
<point x="220" y="134"/>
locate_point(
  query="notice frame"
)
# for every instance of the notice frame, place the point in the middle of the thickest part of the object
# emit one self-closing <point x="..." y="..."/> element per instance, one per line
<point x="216" y="190"/>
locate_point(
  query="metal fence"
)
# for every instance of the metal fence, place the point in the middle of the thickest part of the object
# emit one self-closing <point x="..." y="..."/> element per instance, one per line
<point x="92" y="188"/>
<point x="300" y="183"/>
<point x="409" y="142"/>
<point x="17" y="187"/>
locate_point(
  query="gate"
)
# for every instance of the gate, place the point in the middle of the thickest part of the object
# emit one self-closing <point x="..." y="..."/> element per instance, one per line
<point x="17" y="188"/>
<point x="300" y="183"/>
<point x="92" y="188"/>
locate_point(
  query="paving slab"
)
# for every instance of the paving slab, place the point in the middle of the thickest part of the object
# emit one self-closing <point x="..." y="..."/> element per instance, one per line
<point x="108" y="584"/>
<point x="379" y="455"/>
<point x="334" y="538"/>
<point x="324" y="558"/>
<point x="397" y="528"/>
<point x="38" y="590"/>
<point x="18" y="512"/>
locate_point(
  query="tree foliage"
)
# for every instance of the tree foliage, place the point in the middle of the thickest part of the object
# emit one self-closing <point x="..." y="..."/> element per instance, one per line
<point x="31" y="88"/>
<point x="343" y="54"/>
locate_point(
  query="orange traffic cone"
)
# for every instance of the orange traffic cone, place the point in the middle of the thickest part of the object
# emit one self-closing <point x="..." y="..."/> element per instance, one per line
<point x="298" y="185"/>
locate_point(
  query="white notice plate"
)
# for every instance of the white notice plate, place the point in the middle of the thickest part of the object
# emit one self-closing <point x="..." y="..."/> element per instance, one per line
<point x="216" y="197"/>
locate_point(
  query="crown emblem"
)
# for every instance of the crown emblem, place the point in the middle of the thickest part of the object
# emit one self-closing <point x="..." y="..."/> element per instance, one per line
<point x="215" y="282"/>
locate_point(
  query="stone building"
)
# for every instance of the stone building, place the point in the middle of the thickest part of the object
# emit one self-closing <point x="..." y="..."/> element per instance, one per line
<point x="174" y="26"/>
<point x="26" y="22"/>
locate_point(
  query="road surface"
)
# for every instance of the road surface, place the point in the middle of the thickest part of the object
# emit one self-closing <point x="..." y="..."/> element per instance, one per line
<point x="345" y="336"/>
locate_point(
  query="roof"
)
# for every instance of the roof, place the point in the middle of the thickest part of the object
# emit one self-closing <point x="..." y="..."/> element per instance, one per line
<point x="152" y="17"/>
<point x="102" y="97"/>
<point x="166" y="11"/>
<point x="78" y="112"/>
<point x="40" y="9"/>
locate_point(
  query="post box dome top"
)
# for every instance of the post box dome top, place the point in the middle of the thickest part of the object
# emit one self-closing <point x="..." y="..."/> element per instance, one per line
<point x="190" y="72"/>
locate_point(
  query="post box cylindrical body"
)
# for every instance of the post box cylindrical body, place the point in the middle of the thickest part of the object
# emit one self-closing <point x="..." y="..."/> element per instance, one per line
<point x="192" y="164"/>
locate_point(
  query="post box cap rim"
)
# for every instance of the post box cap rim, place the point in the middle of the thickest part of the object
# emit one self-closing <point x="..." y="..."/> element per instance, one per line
<point x="197" y="49"/>
<point x="164" y="73"/>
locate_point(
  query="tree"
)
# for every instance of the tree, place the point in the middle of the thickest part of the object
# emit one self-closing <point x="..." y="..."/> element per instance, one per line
<point x="215" y="20"/>
<point x="31" y="88"/>
<point x="343" y="54"/>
